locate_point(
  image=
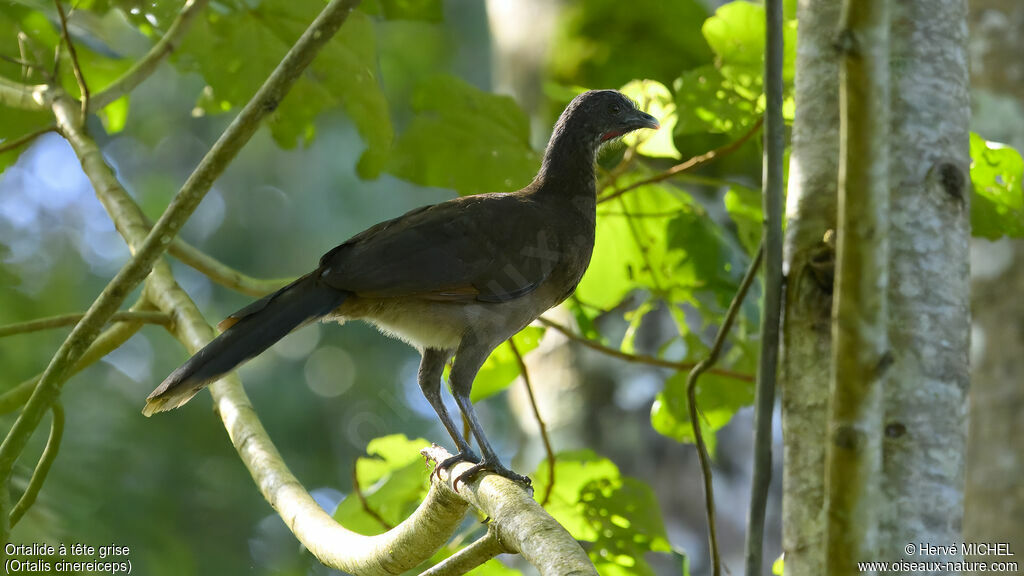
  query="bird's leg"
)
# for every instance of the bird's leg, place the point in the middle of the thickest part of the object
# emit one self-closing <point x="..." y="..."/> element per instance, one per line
<point x="431" y="368"/>
<point x="462" y="376"/>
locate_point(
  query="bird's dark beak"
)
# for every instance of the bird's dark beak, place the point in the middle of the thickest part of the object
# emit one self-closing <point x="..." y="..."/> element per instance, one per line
<point x="644" y="120"/>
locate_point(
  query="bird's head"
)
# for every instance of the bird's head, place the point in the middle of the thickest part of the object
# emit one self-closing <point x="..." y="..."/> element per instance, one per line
<point x="600" y="115"/>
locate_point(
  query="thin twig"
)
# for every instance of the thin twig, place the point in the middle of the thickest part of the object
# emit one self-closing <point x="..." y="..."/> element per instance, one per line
<point x="540" y="422"/>
<point x="72" y="319"/>
<point x="223" y="274"/>
<point x="481" y="550"/>
<point x="108" y="341"/>
<point x="43" y="466"/>
<point x="691" y="400"/>
<point x="362" y="499"/>
<point x="148" y="64"/>
<point x="12" y="144"/>
<point x="690" y="164"/>
<point x="771" y="312"/>
<point x="639" y="358"/>
<point x="79" y="78"/>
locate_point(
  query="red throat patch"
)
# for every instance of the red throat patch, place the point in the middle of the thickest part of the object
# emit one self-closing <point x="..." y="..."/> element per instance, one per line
<point x="611" y="134"/>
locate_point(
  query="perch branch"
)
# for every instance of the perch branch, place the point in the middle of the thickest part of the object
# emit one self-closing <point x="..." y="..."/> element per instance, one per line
<point x="12" y="144"/>
<point x="520" y="523"/>
<point x="483" y="549"/>
<point x="73" y="54"/>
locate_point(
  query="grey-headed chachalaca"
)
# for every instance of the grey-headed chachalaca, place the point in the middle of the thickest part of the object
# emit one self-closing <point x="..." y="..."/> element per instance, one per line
<point x="459" y="277"/>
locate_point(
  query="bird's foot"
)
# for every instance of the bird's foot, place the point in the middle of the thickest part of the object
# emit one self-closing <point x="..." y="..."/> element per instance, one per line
<point x="494" y="467"/>
<point x="466" y="455"/>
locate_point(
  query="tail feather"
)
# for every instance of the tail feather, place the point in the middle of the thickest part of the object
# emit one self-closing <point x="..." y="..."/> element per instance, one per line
<point x="248" y="332"/>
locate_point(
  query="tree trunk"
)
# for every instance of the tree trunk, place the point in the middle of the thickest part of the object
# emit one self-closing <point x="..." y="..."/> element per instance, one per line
<point x="924" y="400"/>
<point x="929" y="327"/>
<point x="810" y="213"/>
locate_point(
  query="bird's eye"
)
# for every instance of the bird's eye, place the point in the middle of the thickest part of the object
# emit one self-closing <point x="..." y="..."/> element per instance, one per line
<point x="616" y="109"/>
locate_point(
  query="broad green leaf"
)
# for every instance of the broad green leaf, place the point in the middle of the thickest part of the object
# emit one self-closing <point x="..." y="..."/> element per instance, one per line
<point x="625" y="514"/>
<point x="604" y="43"/>
<point x="573" y="472"/>
<point x="655" y="99"/>
<point x="393" y="479"/>
<point x="718" y="399"/>
<point x="237" y="47"/>
<point x="465" y="139"/>
<point x="707" y="101"/>
<point x="620" y="515"/>
<point x="115" y="114"/>
<point x="997" y="205"/>
<point x="635" y="319"/>
<point x="736" y="33"/>
<point x="501" y="368"/>
<point x="744" y="208"/>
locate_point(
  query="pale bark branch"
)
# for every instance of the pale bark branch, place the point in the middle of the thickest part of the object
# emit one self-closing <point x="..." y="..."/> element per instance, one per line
<point x="519" y="522"/>
<point x="691" y="401"/>
<point x="223" y="274"/>
<point x="771" y="311"/>
<point x="72" y="319"/>
<point x="483" y="549"/>
<point x="145" y="67"/>
<point x="23" y="96"/>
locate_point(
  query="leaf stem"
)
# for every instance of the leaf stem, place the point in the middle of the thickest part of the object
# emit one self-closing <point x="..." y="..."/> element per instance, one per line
<point x="148" y="317"/>
<point x="35" y="484"/>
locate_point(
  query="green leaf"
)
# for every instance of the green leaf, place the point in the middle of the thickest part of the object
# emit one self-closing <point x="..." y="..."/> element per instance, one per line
<point x="718" y="399"/>
<point x="707" y="101"/>
<point x="610" y="42"/>
<point x="115" y="115"/>
<point x="237" y="47"/>
<point x="393" y="479"/>
<point x="736" y="33"/>
<point x="744" y="207"/>
<point x="620" y="515"/>
<point x="501" y="368"/>
<point x="465" y="139"/>
<point x="573" y="472"/>
<point x="997" y="204"/>
<point x="779" y="566"/>
<point x="655" y="99"/>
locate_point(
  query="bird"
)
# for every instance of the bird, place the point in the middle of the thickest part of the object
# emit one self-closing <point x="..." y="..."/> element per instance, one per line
<point x="454" y="279"/>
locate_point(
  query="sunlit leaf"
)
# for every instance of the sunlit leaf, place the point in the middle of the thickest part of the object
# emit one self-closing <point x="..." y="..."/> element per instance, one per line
<point x="655" y="99"/>
<point x="465" y="139"/>
<point x="393" y="478"/>
<point x="997" y="204"/>
<point x="718" y="399"/>
<point x="501" y="368"/>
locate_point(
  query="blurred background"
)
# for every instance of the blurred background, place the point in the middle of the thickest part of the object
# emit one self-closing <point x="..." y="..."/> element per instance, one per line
<point x="173" y="489"/>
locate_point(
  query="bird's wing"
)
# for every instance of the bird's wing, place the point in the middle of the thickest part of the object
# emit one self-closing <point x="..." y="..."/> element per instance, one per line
<point x="490" y="248"/>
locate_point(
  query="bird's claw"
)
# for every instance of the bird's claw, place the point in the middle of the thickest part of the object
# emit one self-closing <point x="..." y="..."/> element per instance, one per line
<point x="494" y="467"/>
<point x="464" y="456"/>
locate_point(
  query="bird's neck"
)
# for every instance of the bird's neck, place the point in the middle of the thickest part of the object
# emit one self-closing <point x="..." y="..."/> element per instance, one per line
<point x="568" y="167"/>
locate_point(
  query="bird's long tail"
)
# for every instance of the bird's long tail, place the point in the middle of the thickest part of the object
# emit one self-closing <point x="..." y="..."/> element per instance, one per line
<point x="247" y="333"/>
